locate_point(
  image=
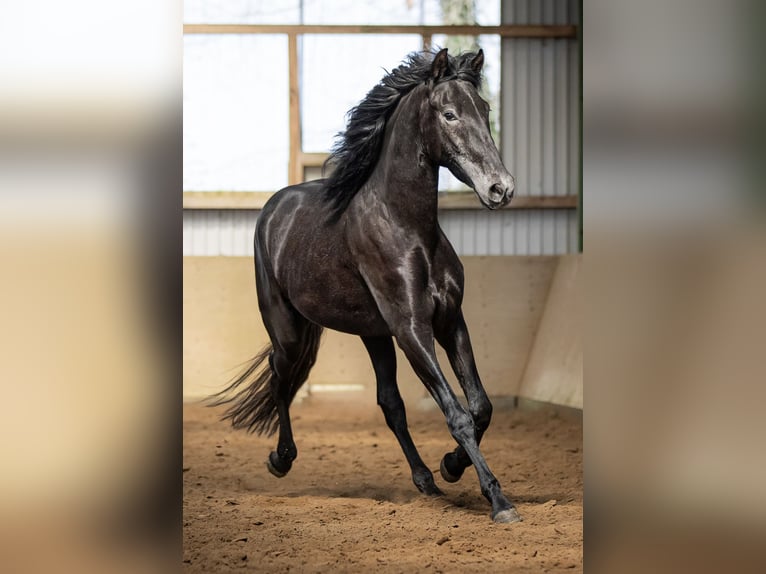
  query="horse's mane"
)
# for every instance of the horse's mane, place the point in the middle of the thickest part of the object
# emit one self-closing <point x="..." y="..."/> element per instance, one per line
<point x="356" y="150"/>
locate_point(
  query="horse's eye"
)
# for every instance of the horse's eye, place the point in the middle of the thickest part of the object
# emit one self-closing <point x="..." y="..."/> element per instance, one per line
<point x="449" y="116"/>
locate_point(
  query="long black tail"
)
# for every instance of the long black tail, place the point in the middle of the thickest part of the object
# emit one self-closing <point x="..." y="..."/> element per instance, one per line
<point x="250" y="407"/>
<point x="250" y="396"/>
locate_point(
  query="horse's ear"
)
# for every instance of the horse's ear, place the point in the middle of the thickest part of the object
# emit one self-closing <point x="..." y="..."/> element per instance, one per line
<point x="439" y="65"/>
<point x="477" y="63"/>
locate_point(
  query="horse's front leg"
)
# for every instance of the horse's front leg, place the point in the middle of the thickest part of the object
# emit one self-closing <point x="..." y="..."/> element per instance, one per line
<point x="383" y="356"/>
<point x="456" y="342"/>
<point x="417" y="342"/>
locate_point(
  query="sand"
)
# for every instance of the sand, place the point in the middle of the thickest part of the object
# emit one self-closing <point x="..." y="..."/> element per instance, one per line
<point x="349" y="505"/>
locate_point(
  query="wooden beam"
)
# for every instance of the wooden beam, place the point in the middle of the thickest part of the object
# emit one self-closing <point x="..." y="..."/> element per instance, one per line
<point x="295" y="170"/>
<point x="506" y="31"/>
<point x="468" y="200"/>
<point x="447" y="200"/>
<point x="225" y="199"/>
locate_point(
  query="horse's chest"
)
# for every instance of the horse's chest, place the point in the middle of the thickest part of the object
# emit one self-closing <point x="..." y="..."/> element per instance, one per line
<point x="447" y="292"/>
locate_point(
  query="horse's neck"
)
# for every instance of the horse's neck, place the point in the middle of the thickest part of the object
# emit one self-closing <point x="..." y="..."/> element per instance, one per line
<point x="405" y="178"/>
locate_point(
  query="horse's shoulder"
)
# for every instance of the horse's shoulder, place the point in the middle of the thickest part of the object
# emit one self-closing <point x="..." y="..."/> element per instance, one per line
<point x="293" y="197"/>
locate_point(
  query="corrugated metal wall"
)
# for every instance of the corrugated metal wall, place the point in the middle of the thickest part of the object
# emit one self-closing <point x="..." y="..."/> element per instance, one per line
<point x="510" y="232"/>
<point x="213" y="232"/>
<point x="540" y="118"/>
<point x="540" y="146"/>
<point x="472" y="232"/>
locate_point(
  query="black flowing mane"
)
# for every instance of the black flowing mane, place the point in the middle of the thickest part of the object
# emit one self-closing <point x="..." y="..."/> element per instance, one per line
<point x="356" y="150"/>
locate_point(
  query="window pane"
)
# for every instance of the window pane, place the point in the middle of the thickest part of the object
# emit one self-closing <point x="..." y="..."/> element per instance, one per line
<point x="480" y="12"/>
<point x="364" y="12"/>
<point x="401" y="12"/>
<point x="242" y="12"/>
<point x="337" y="72"/>
<point x="235" y="112"/>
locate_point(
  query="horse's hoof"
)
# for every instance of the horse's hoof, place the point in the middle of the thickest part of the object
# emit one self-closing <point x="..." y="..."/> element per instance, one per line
<point x="447" y="475"/>
<point x="272" y="468"/>
<point x="423" y="479"/>
<point x="507" y="516"/>
<point x="430" y="490"/>
<point x="436" y="491"/>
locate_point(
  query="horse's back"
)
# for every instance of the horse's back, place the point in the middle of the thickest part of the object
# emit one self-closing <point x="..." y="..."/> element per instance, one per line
<point x="290" y="199"/>
<point x="288" y="217"/>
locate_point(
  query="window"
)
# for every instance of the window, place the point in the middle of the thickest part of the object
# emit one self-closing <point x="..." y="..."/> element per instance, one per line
<point x="236" y="86"/>
<point x="235" y="112"/>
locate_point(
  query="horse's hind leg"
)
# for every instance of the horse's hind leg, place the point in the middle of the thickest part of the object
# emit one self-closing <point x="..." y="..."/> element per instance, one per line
<point x="381" y="350"/>
<point x="457" y="344"/>
<point x="295" y="342"/>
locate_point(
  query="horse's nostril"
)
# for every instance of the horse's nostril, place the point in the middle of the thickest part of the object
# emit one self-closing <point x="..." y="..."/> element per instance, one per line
<point x="497" y="190"/>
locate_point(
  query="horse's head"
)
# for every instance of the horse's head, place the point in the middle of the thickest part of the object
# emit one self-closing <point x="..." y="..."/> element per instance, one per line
<point x="456" y="127"/>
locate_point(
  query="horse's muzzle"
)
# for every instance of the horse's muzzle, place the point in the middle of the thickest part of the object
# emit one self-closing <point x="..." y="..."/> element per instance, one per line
<point x="499" y="195"/>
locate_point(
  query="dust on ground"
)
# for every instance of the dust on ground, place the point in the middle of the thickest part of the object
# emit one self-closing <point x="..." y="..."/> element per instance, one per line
<point x="349" y="505"/>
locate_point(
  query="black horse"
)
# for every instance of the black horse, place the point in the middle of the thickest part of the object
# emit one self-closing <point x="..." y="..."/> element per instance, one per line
<point x="362" y="252"/>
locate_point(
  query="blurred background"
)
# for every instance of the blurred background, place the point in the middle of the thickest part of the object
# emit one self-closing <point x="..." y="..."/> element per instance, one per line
<point x="93" y="156"/>
<point x="673" y="231"/>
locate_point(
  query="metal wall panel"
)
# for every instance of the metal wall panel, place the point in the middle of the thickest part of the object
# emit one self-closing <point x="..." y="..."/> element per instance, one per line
<point x="217" y="232"/>
<point x="540" y="117"/>
<point x="214" y="232"/>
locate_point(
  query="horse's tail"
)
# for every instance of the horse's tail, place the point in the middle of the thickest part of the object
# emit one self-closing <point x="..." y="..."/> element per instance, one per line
<point x="250" y="397"/>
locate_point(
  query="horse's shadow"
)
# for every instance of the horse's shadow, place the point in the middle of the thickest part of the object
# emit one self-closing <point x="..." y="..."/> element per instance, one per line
<point x="465" y="498"/>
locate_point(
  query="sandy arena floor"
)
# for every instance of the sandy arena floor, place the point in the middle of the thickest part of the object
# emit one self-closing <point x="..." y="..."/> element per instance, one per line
<point x="349" y="504"/>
